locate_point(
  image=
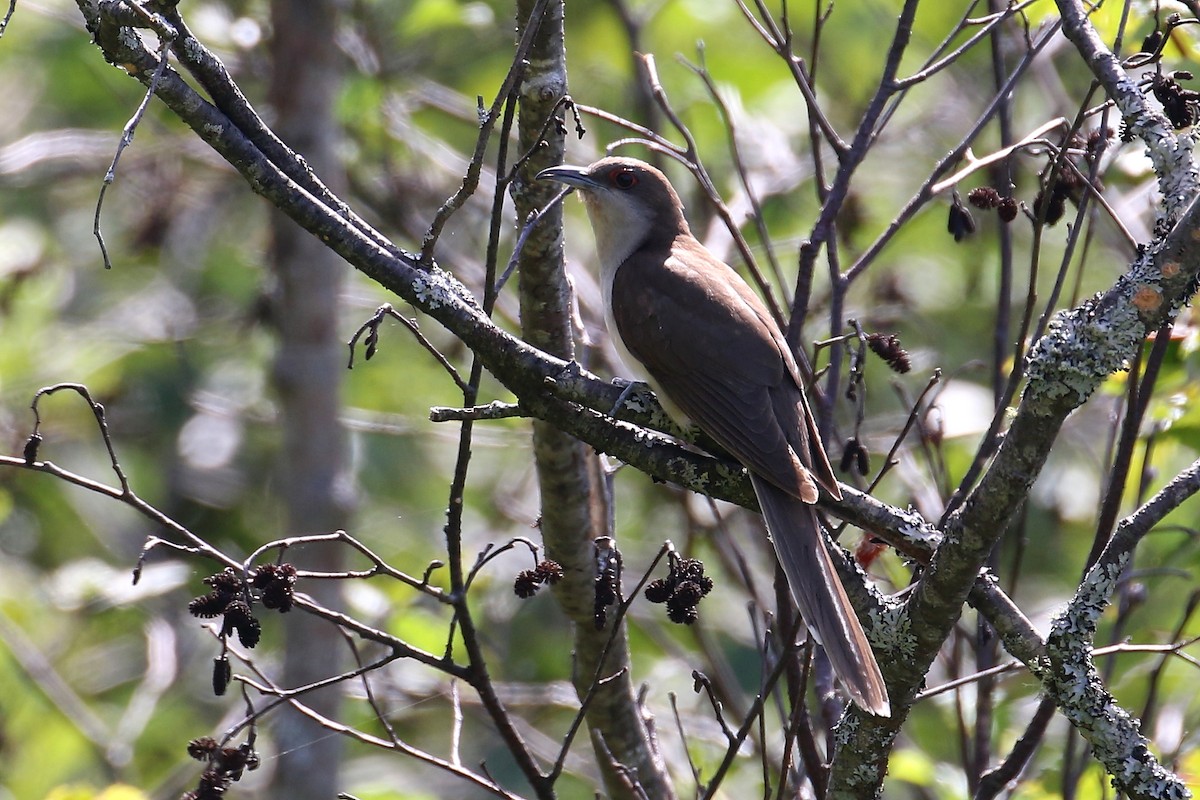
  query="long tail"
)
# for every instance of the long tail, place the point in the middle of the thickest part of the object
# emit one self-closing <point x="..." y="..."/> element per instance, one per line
<point x="820" y="596"/>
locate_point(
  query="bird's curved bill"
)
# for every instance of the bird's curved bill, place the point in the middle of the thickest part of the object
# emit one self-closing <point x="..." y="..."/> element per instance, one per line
<point x="572" y="176"/>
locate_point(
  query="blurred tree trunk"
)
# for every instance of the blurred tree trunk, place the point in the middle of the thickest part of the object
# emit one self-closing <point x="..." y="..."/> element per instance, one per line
<point x="307" y="375"/>
<point x="574" y="505"/>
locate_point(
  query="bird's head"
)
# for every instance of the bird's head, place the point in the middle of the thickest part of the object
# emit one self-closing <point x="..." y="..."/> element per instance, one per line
<point x="630" y="204"/>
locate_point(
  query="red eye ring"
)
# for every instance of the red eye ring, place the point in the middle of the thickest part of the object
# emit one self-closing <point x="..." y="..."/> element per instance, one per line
<point x="623" y="178"/>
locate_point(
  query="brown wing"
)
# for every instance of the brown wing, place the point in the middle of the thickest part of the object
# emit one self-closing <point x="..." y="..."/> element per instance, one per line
<point x="712" y="347"/>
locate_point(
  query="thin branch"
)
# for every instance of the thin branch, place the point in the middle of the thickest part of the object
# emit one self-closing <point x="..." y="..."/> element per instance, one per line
<point x="924" y="193"/>
<point x="917" y="408"/>
<point x="1035" y="138"/>
<point x="8" y="15"/>
<point x="760" y="223"/>
<point x="399" y="648"/>
<point x="281" y="696"/>
<point x="700" y="683"/>
<point x="997" y="779"/>
<point x="101" y="424"/>
<point x="598" y="678"/>
<point x="131" y="499"/>
<point x="487" y="121"/>
<point x="371" y="329"/>
<point x="368" y="691"/>
<point x="456" y="726"/>
<point x="691" y="158"/>
<point x="986" y="25"/>
<point x="683" y="737"/>
<point x="756" y="709"/>
<point x="530" y="223"/>
<point x="781" y="42"/>
<point x="1122" y="648"/>
<point x="490" y="552"/>
<point x="167" y="37"/>
<point x="651" y="138"/>
<point x="482" y="781"/>
<point x="379" y="566"/>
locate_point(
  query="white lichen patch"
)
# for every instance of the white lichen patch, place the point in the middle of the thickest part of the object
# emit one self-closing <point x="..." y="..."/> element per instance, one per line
<point x="1081" y="348"/>
<point x="846" y="728"/>
<point x="436" y="288"/>
<point x="1092" y="597"/>
<point x="1171" y="153"/>
<point x="891" y="629"/>
<point x="1079" y="690"/>
<point x="695" y="479"/>
<point x="193" y="49"/>
<point x="1178" y="179"/>
<point x="917" y="529"/>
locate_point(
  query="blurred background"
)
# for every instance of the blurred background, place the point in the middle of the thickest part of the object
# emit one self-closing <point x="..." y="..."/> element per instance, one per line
<point x="103" y="682"/>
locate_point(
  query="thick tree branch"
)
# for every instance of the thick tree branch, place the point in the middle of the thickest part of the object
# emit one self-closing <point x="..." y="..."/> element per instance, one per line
<point x="1072" y="676"/>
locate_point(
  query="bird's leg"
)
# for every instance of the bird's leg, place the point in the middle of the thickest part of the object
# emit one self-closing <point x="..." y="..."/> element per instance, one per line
<point x="628" y="387"/>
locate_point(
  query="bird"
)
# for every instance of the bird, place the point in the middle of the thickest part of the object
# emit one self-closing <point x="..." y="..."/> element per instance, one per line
<point x="686" y="323"/>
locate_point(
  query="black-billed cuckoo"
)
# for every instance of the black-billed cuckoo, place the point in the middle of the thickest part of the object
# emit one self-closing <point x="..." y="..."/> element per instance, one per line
<point x="687" y="324"/>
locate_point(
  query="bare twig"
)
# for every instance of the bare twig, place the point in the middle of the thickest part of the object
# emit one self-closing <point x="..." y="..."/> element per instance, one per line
<point x="371" y="329"/>
<point x="954" y="156"/>
<point x="995" y="780"/>
<point x="368" y="691"/>
<point x="490" y="552"/>
<point x="914" y="414"/>
<point x="683" y="737"/>
<point x="1122" y="648"/>
<point x="526" y="229"/>
<point x="714" y="783"/>
<point x="97" y="412"/>
<point x="986" y="26"/>
<point x="700" y="682"/>
<point x="760" y="223"/>
<point x="456" y="726"/>
<point x="487" y="121"/>
<point x="125" y="494"/>
<point x="379" y="566"/>
<point x="267" y="687"/>
<point x="599" y="676"/>
<point x="167" y="37"/>
<point x="691" y="158"/>
<point x="8" y="15"/>
<point x="780" y="40"/>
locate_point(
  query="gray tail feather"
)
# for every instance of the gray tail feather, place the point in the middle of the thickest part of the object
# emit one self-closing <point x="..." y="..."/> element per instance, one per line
<point x="819" y="594"/>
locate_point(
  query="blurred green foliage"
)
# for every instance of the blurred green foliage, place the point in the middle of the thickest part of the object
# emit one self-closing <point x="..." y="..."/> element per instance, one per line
<point x="173" y="342"/>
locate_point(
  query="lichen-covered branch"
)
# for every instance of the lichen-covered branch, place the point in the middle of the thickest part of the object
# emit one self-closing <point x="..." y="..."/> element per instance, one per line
<point x="1080" y="350"/>
<point x="1072" y="677"/>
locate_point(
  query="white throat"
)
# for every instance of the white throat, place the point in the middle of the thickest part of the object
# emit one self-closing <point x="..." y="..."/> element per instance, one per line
<point x="621" y="226"/>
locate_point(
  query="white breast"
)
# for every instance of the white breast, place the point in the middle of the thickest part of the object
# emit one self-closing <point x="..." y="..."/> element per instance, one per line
<point x="620" y="228"/>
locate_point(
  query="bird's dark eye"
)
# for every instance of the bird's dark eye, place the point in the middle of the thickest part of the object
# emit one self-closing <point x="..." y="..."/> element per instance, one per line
<point x="624" y="178"/>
